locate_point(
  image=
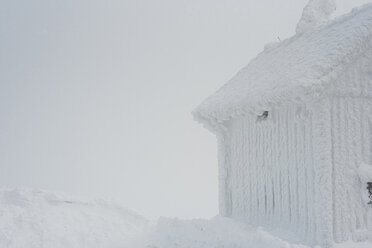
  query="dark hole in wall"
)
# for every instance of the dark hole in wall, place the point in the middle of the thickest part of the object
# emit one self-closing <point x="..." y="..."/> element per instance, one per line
<point x="264" y="116"/>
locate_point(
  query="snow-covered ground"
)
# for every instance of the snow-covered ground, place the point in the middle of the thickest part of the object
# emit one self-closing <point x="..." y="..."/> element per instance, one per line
<point x="40" y="219"/>
<point x="218" y="232"/>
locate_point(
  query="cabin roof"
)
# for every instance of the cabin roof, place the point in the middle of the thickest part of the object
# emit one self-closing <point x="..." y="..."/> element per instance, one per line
<point x="295" y="69"/>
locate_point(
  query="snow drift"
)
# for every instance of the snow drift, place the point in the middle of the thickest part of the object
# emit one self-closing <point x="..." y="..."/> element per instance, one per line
<point x="35" y="219"/>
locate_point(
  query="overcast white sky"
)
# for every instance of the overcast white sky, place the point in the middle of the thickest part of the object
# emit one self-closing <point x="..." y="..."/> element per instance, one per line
<point x="95" y="96"/>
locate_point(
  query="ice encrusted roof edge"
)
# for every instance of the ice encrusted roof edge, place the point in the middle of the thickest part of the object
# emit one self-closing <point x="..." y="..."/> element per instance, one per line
<point x="298" y="69"/>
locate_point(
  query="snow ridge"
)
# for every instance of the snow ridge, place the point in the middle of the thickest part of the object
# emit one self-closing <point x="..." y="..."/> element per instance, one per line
<point x="38" y="219"/>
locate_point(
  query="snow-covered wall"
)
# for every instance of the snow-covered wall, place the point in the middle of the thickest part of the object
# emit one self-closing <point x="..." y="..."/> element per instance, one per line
<point x="297" y="169"/>
<point x="352" y="138"/>
<point x="351" y="120"/>
<point x="269" y="171"/>
<point x="322" y="155"/>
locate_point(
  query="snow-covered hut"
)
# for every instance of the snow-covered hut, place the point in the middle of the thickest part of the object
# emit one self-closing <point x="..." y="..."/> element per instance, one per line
<point x="293" y="128"/>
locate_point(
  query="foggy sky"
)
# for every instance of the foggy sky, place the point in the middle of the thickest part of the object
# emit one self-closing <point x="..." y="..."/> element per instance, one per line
<point x="95" y="96"/>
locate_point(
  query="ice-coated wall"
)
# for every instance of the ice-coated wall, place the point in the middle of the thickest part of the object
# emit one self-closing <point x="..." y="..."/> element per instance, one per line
<point x="297" y="170"/>
<point x="351" y="121"/>
<point x="351" y="138"/>
<point x="269" y="176"/>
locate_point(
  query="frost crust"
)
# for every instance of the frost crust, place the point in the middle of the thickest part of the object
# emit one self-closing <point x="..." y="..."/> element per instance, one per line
<point x="315" y="14"/>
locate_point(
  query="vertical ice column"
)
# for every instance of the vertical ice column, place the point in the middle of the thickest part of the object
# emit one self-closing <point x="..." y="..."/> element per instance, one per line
<point x="323" y="171"/>
<point x="223" y="194"/>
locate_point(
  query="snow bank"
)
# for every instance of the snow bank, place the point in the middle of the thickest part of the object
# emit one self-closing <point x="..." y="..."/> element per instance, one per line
<point x="218" y="232"/>
<point x="35" y="219"/>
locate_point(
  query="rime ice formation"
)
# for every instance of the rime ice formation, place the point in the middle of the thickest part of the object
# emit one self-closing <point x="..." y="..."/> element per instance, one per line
<point x="365" y="175"/>
<point x="297" y="69"/>
<point x="296" y="170"/>
<point x="37" y="219"/>
<point x="316" y="13"/>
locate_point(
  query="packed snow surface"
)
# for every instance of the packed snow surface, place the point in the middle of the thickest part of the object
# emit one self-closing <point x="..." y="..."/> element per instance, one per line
<point x="39" y="219"/>
<point x="296" y="70"/>
<point x="218" y="232"/>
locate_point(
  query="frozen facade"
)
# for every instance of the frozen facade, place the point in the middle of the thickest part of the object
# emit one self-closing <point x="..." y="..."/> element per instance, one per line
<point x="293" y="129"/>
